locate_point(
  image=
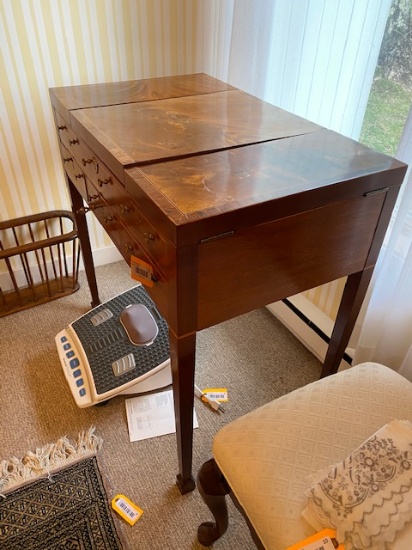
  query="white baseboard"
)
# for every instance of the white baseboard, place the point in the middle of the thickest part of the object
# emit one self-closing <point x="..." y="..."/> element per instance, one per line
<point x="106" y="255"/>
<point x="101" y="256"/>
<point x="302" y="330"/>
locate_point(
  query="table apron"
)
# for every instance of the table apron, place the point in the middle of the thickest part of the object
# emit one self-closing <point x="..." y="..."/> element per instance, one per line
<point x="269" y="262"/>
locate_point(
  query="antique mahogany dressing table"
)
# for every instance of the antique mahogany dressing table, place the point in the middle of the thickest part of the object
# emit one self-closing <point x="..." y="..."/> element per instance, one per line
<point x="233" y="203"/>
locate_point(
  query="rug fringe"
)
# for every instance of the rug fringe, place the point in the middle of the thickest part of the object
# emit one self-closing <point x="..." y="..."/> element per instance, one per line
<point x="44" y="460"/>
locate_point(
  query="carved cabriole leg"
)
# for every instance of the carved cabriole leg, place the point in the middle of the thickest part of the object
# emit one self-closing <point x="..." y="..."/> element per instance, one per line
<point x="213" y="488"/>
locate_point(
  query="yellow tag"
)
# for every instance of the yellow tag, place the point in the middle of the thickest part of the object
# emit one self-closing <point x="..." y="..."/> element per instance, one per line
<point x="141" y="271"/>
<point x="324" y="540"/>
<point x="218" y="394"/>
<point x="126" y="508"/>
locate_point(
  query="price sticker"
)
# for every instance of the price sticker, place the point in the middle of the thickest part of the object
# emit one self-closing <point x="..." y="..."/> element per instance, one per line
<point x="218" y="394"/>
<point x="126" y="509"/>
<point x="141" y="271"/>
<point x="324" y="540"/>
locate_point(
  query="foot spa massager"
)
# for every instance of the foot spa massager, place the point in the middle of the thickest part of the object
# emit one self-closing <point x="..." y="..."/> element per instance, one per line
<point x="119" y="347"/>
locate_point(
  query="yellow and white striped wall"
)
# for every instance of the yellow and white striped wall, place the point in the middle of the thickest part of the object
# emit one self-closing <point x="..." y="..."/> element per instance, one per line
<point x="46" y="43"/>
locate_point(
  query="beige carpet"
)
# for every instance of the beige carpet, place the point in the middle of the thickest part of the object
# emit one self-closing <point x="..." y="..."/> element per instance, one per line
<point x="254" y="356"/>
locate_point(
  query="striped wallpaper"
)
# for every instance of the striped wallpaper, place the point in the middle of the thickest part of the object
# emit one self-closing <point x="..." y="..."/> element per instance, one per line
<point x="46" y="43"/>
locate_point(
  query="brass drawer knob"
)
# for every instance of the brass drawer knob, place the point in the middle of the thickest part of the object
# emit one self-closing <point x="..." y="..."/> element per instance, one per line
<point x="125" y="208"/>
<point x="128" y="247"/>
<point x="85" y="209"/>
<point x="104" y="182"/>
<point x="149" y="237"/>
<point x="91" y="161"/>
<point x="108" y="218"/>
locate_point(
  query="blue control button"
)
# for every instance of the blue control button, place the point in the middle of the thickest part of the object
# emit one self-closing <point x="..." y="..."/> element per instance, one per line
<point x="74" y="363"/>
<point x="79" y="382"/>
<point x="63" y="339"/>
<point x="82" y="392"/>
<point x="77" y="373"/>
<point x="70" y="354"/>
<point x="66" y="346"/>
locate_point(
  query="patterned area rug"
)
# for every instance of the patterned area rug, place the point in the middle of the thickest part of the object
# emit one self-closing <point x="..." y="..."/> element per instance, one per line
<point x="67" y="510"/>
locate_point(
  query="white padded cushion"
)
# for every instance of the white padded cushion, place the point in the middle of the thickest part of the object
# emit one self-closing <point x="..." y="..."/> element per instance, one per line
<point x="267" y="454"/>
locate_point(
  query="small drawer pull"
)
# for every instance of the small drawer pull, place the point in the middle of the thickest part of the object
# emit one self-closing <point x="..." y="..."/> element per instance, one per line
<point x="85" y="209"/>
<point x="79" y="176"/>
<point x="90" y="161"/>
<point x="128" y="247"/>
<point x="93" y="197"/>
<point x="108" y="218"/>
<point x="125" y="208"/>
<point x="104" y="182"/>
<point x="62" y="127"/>
<point x="68" y="159"/>
<point x="149" y="237"/>
<point x="73" y="141"/>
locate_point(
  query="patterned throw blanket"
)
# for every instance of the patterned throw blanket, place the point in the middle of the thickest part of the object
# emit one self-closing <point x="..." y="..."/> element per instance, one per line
<point x="367" y="497"/>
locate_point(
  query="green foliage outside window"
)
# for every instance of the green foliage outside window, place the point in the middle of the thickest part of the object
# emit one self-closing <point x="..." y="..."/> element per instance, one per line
<point x="391" y="93"/>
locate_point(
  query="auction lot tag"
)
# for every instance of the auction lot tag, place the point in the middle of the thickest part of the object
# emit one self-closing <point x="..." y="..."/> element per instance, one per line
<point x="126" y="509"/>
<point x="218" y="394"/>
<point x="141" y="271"/>
<point x="324" y="540"/>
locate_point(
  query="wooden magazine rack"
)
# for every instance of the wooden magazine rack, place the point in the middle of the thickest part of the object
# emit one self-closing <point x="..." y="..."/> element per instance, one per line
<point x="41" y="253"/>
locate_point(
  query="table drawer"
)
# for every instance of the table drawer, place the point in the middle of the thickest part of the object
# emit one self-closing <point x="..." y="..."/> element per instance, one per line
<point x="89" y="164"/>
<point x="93" y="167"/>
<point x="126" y="210"/>
<point x="145" y="233"/>
<point x="94" y="180"/>
<point x="123" y="206"/>
<point x="66" y="135"/>
<point x="74" y="172"/>
<point x="128" y="246"/>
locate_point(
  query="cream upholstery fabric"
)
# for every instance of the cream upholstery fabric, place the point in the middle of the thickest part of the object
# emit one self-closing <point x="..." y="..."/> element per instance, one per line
<point x="267" y="454"/>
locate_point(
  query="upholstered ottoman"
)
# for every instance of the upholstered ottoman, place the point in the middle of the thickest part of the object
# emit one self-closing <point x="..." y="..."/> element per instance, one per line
<point x="264" y="457"/>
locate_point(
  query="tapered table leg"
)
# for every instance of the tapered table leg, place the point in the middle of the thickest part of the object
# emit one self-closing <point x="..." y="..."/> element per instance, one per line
<point x="83" y="233"/>
<point x="182" y="353"/>
<point x="352" y="299"/>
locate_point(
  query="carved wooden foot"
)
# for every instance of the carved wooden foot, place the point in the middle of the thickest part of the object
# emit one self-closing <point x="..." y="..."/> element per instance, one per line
<point x="213" y="488"/>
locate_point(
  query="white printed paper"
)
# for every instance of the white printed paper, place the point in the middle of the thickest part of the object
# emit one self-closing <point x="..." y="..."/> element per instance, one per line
<point x="152" y="415"/>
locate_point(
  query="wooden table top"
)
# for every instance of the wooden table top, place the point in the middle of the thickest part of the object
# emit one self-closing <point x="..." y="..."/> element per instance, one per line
<point x="140" y="133"/>
<point x="198" y="147"/>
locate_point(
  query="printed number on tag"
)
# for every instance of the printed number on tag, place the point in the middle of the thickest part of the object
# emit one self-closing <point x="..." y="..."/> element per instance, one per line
<point x="126" y="509"/>
<point x="218" y="394"/>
